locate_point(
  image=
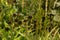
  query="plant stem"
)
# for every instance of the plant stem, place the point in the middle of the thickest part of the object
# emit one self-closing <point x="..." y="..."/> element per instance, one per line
<point x="23" y="2"/>
<point x="46" y="7"/>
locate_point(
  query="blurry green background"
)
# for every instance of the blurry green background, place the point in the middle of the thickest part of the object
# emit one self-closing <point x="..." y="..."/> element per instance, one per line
<point x="29" y="19"/>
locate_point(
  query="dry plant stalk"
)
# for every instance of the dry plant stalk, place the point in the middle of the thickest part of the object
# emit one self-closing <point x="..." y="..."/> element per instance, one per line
<point x="37" y="26"/>
<point x="26" y="30"/>
<point x="55" y="33"/>
<point x="23" y="2"/>
<point x="46" y="7"/>
<point x="51" y="31"/>
<point x="39" y="4"/>
<point x="55" y="3"/>
<point x="36" y="30"/>
<point x="26" y="35"/>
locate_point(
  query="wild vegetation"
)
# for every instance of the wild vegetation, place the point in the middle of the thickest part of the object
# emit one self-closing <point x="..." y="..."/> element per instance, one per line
<point x="29" y="19"/>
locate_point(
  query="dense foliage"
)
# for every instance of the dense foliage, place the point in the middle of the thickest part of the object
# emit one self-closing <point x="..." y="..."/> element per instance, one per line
<point x="29" y="19"/>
